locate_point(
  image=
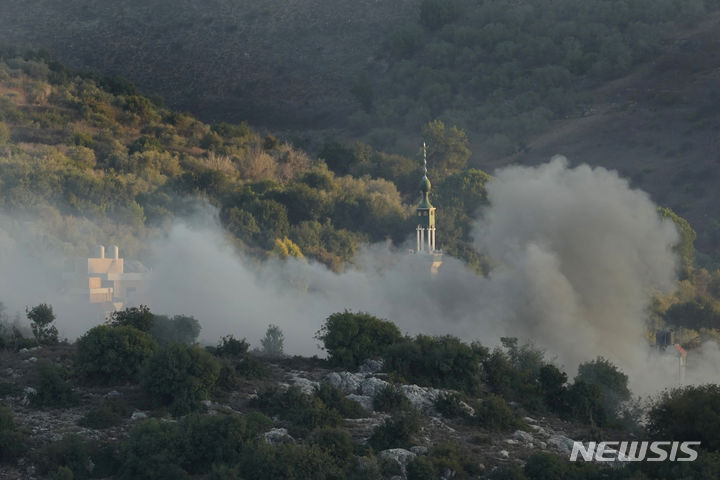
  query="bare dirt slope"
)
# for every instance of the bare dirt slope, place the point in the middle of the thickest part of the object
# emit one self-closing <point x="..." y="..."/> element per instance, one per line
<point x="658" y="126"/>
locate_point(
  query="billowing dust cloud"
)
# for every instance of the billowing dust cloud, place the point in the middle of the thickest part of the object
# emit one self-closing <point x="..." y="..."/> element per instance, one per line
<point x="577" y="251"/>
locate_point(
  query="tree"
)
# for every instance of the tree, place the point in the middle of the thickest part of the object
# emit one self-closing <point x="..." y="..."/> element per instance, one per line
<point x="447" y="148"/>
<point x="350" y="338"/>
<point x="108" y="355"/>
<point x="688" y="414"/>
<point x="273" y="342"/>
<point x="599" y="389"/>
<point x="41" y="316"/>
<point x="138" y="317"/>
<point x="436" y="13"/>
<point x="179" y="376"/>
<point x="443" y="362"/>
<point x="52" y="389"/>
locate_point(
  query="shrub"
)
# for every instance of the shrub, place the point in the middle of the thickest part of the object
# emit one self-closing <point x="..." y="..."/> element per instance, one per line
<point x="205" y="440"/>
<point x="41" y="316"/>
<point x="350" y="338"/>
<point x="229" y="346"/>
<point x="139" y="317"/>
<point x="178" y="329"/>
<point x="396" y="431"/>
<point x="107" y="414"/>
<point x="333" y="398"/>
<point x="12" y="439"/>
<point x="150" y="452"/>
<point x="390" y="399"/>
<point x="71" y="452"/>
<point x="686" y="414"/>
<point x="257" y="423"/>
<point x="442" y="362"/>
<point x="107" y="355"/>
<point x="335" y="441"/>
<point x="179" y="376"/>
<point x="545" y="466"/>
<point x="303" y="411"/>
<point x="494" y="414"/>
<point x="53" y="389"/>
<point x="422" y="468"/>
<point x="449" y="405"/>
<point x="514" y="373"/>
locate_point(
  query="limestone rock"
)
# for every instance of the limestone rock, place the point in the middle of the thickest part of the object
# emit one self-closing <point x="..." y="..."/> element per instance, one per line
<point x="371" y="386"/>
<point x="278" y="436"/>
<point x="400" y="455"/>
<point x="365" y="401"/>
<point x="345" y="381"/>
<point x="562" y="443"/>
<point x="523" y="436"/>
<point x="371" y="366"/>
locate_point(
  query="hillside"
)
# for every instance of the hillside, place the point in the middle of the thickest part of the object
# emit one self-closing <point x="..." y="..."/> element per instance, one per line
<point x="658" y="127"/>
<point x="126" y="401"/>
<point x="624" y="85"/>
<point x="275" y="63"/>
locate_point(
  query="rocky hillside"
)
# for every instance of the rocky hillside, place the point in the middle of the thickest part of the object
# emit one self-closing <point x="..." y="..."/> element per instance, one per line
<point x="91" y="422"/>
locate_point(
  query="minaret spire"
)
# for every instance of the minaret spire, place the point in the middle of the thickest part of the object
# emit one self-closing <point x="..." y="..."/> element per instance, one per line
<point x="425" y="213"/>
<point x="425" y="158"/>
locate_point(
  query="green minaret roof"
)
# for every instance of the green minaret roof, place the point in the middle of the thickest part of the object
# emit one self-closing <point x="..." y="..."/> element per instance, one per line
<point x="425" y="189"/>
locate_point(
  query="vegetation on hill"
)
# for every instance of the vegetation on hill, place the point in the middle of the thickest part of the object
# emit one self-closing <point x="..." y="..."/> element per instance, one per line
<point x="91" y="158"/>
<point x="295" y="432"/>
<point x="504" y="69"/>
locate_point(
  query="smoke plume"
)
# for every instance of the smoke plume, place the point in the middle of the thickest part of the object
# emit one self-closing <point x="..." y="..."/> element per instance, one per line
<point x="578" y="254"/>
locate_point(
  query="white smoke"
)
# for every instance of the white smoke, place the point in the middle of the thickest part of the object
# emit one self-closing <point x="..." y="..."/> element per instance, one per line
<point x="578" y="255"/>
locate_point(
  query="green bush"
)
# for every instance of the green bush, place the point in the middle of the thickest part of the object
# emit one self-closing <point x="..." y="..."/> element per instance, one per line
<point x="688" y="414"/>
<point x="257" y="423"/>
<point x="449" y="405"/>
<point x="333" y="398"/>
<point x="12" y="439"/>
<point x="179" y="376"/>
<point x="107" y="414"/>
<point x="350" y="338"/>
<point x="229" y="346"/>
<point x="53" y="389"/>
<point x="304" y="412"/>
<point x="545" y="466"/>
<point x="422" y="468"/>
<point x="391" y="399"/>
<point x="208" y="439"/>
<point x="110" y="355"/>
<point x="151" y="452"/>
<point x="139" y="317"/>
<point x="514" y="373"/>
<point x="335" y="441"/>
<point x="442" y="362"/>
<point x="71" y="452"/>
<point x="494" y="413"/>
<point x="396" y="431"/>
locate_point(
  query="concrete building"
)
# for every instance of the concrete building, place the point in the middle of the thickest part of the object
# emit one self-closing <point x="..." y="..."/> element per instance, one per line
<point x="107" y="280"/>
